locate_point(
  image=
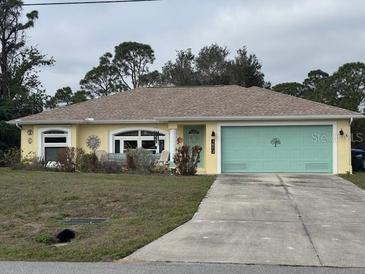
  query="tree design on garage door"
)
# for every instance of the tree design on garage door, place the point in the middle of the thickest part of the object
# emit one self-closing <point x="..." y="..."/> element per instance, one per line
<point x="275" y="142"/>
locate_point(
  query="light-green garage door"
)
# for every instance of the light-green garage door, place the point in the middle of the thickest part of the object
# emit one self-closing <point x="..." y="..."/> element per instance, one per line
<point x="276" y="149"/>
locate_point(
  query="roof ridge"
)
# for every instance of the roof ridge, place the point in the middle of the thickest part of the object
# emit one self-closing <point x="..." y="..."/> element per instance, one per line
<point x="187" y="87"/>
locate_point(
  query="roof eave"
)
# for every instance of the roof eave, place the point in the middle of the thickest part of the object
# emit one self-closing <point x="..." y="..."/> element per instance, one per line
<point x="185" y="118"/>
<point x="261" y="118"/>
<point x="78" y="122"/>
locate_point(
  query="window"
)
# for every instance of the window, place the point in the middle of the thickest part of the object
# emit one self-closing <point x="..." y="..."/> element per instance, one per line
<point x="149" y="144"/>
<point x="51" y="153"/>
<point x="153" y="141"/>
<point x="128" y="133"/>
<point x="117" y="146"/>
<point x="52" y="142"/>
<point x="55" y="140"/>
<point x="129" y="144"/>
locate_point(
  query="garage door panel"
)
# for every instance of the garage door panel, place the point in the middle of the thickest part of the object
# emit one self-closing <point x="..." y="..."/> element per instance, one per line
<point x="300" y="149"/>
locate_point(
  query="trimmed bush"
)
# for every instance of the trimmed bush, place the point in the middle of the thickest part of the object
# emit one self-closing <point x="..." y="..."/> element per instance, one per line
<point x="140" y="160"/>
<point x="88" y="162"/>
<point x="110" y="167"/>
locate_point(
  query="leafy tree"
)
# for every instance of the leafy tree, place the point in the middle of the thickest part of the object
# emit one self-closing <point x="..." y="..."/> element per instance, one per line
<point x="212" y="65"/>
<point x="345" y="88"/>
<point x="131" y="60"/>
<point x="151" y="79"/>
<point x="62" y="95"/>
<point x="347" y="85"/>
<point x="115" y="73"/>
<point x="182" y="72"/>
<point x="21" y="92"/>
<point x="103" y="79"/>
<point x="79" y="96"/>
<point x="316" y="86"/>
<point x="67" y="97"/>
<point x="291" y="88"/>
<point x="246" y="70"/>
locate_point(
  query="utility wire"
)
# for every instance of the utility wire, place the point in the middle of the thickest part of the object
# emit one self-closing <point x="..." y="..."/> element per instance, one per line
<point x="86" y="2"/>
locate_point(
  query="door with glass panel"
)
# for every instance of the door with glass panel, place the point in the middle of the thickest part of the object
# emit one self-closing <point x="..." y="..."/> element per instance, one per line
<point x="194" y="135"/>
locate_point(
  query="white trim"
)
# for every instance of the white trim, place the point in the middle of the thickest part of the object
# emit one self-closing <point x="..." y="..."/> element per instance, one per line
<point x="41" y="145"/>
<point x="277" y="123"/>
<point x="334" y="148"/>
<point x="187" y="118"/>
<point x="121" y="130"/>
<point x="172" y="145"/>
<point x="81" y="122"/>
<point x="259" y="118"/>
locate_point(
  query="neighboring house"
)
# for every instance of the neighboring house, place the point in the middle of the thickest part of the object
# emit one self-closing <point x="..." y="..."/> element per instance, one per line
<point x="240" y="129"/>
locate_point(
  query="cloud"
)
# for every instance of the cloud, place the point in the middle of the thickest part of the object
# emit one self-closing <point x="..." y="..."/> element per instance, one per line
<point x="289" y="37"/>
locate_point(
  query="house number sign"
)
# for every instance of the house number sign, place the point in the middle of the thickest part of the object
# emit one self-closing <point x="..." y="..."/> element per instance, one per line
<point x="212" y="146"/>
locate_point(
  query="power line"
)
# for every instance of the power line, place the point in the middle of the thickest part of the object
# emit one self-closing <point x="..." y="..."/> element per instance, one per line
<point x="86" y="2"/>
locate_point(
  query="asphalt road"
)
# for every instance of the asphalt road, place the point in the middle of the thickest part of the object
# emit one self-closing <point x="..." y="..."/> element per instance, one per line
<point x="163" y="268"/>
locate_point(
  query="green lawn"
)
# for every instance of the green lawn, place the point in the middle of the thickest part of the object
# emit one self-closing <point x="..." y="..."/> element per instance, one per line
<point x="357" y="178"/>
<point x="141" y="208"/>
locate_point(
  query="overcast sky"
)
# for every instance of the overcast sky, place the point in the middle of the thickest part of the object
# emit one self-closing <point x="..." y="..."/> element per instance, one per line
<point x="290" y="37"/>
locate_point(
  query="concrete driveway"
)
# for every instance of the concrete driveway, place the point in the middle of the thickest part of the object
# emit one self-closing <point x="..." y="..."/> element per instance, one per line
<point x="286" y="219"/>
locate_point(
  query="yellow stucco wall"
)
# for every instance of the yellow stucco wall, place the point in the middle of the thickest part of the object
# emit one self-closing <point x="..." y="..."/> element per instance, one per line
<point x="80" y="133"/>
<point x="28" y="141"/>
<point x="344" y="147"/>
<point x="103" y="132"/>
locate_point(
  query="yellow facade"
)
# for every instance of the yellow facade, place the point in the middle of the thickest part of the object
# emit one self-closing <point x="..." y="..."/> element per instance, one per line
<point x="344" y="147"/>
<point x="30" y="143"/>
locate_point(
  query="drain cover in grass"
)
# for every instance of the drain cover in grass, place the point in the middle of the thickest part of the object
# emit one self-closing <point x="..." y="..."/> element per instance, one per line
<point x="84" y="221"/>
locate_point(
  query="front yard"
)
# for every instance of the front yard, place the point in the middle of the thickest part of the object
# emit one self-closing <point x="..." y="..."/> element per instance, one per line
<point x="34" y="204"/>
<point x="357" y="178"/>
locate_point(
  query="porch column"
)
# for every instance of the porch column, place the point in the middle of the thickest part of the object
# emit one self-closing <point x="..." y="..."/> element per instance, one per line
<point x="172" y="132"/>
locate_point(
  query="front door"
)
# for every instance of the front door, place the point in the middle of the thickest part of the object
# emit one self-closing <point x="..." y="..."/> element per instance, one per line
<point x="194" y="135"/>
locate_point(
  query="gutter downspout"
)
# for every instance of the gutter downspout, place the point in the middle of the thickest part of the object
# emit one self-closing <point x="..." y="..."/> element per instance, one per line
<point x="18" y="126"/>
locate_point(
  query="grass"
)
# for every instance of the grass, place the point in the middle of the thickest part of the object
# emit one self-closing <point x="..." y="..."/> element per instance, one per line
<point x="142" y="208"/>
<point x="357" y="178"/>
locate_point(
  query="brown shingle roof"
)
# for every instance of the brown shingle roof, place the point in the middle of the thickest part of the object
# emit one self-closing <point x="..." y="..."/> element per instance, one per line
<point x="174" y="103"/>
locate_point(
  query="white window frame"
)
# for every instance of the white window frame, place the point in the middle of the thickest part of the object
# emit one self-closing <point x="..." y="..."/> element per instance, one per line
<point x="138" y="138"/>
<point x="42" y="134"/>
<point x="279" y="123"/>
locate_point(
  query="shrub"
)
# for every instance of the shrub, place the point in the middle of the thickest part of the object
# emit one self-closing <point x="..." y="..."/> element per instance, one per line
<point x="30" y="162"/>
<point x="10" y="157"/>
<point x="79" y="158"/>
<point x="187" y="161"/>
<point x="88" y="162"/>
<point x="67" y="159"/>
<point x="44" y="239"/>
<point x="161" y="169"/>
<point x="110" y="166"/>
<point x="140" y="160"/>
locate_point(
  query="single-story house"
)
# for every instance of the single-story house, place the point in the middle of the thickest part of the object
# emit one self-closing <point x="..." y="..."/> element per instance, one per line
<point x="240" y="129"/>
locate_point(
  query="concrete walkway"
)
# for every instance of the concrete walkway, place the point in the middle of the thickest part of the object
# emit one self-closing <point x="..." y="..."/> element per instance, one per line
<point x="291" y="219"/>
